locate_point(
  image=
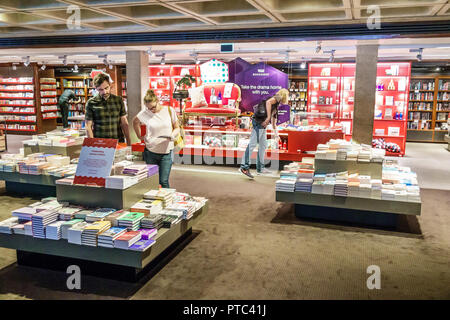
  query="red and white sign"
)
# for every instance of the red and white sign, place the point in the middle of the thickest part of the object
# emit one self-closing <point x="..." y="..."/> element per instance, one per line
<point x="95" y="162"/>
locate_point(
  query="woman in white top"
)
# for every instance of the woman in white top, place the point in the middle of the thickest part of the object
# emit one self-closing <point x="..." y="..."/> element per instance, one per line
<point x="162" y="129"/>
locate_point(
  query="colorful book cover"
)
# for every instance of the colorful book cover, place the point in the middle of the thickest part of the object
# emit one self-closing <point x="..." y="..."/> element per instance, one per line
<point x="113" y="232"/>
<point x="142" y="245"/>
<point x="148" y="233"/>
<point x="127" y="236"/>
<point x="132" y="216"/>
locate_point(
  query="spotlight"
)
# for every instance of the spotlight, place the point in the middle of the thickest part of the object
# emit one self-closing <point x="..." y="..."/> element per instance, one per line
<point x="110" y="66"/>
<point x="65" y="60"/>
<point x="331" y="52"/>
<point x="43" y="67"/>
<point x="318" y="46"/>
<point x="14" y="67"/>
<point x="27" y="61"/>
<point x="75" y="68"/>
<point x="438" y="69"/>
<point x="303" y="65"/>
<point x="163" y="58"/>
<point x="419" y="54"/>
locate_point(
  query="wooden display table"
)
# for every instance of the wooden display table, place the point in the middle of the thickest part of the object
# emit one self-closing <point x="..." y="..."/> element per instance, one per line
<point x="99" y="261"/>
<point x="348" y="209"/>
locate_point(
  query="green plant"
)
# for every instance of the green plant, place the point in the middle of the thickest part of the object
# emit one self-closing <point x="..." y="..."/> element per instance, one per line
<point x="185" y="82"/>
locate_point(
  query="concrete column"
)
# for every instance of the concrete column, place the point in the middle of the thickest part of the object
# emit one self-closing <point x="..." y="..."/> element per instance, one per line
<point x="137" y="85"/>
<point x="365" y="90"/>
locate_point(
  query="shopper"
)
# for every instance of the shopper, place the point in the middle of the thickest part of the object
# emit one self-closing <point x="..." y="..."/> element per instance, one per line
<point x="64" y="101"/>
<point x="264" y="113"/>
<point x="161" y="130"/>
<point x="106" y="116"/>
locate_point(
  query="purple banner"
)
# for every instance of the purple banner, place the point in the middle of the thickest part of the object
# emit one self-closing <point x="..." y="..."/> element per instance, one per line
<point x="257" y="81"/>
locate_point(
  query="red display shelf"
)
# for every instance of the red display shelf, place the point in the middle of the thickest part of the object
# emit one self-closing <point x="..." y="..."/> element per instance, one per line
<point x="28" y="121"/>
<point x="46" y="111"/>
<point x="15" y="90"/>
<point x="420" y="111"/>
<point x="48" y="103"/>
<point x="48" y="90"/>
<point x="50" y="118"/>
<point x="5" y="112"/>
<point x="16" y="105"/>
<point x="384" y="136"/>
<point x="18" y="98"/>
<point x="391" y="120"/>
<point x="15" y="83"/>
<point x="51" y="83"/>
<point x="22" y="130"/>
<point x="48" y="96"/>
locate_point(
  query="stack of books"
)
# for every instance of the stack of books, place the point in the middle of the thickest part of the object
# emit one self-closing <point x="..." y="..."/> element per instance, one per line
<point x="82" y="214"/>
<point x="152" y="169"/>
<point x="90" y="232"/>
<point x="365" y="190"/>
<point x="127" y="239"/>
<point x="140" y="171"/>
<point x="142" y="245"/>
<point x="376" y="186"/>
<point x="147" y="234"/>
<point x="170" y="220"/>
<point x="28" y="227"/>
<point x="120" y="182"/>
<point x="186" y="208"/>
<point x="165" y="195"/>
<point x="25" y="213"/>
<point x="67" y="213"/>
<point x="285" y="185"/>
<point x="147" y="206"/>
<point x="99" y="214"/>
<point x="6" y="225"/>
<point x="74" y="232"/>
<point x="42" y="219"/>
<point x="114" y="216"/>
<point x="152" y="221"/>
<point x="341" y="154"/>
<point x="106" y="238"/>
<point x="131" y="220"/>
<point x="18" y="229"/>
<point x="341" y="184"/>
<point x="53" y="230"/>
<point x="303" y="185"/>
<point x="364" y="156"/>
<point x="352" y="155"/>
<point x="67" y="225"/>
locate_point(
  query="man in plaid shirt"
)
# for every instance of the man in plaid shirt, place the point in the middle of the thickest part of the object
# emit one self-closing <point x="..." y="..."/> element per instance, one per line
<point x="105" y="113"/>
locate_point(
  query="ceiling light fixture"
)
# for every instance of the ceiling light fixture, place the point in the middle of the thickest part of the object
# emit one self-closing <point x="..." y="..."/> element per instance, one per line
<point x="438" y="69"/>
<point x="75" y="68"/>
<point x="27" y="61"/>
<point x="65" y="60"/>
<point x="331" y="52"/>
<point x="318" y="46"/>
<point x="419" y="54"/>
<point x="43" y="66"/>
<point x="163" y="58"/>
<point x="14" y="67"/>
<point x="286" y="57"/>
<point x="303" y="64"/>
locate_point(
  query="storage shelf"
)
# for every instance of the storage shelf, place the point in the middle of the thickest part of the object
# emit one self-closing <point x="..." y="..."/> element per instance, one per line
<point x="28" y="121"/>
<point x="17" y="105"/>
<point x="48" y="104"/>
<point x="15" y="90"/>
<point x="397" y="120"/>
<point x="44" y="111"/>
<point x="5" y="112"/>
<point x="22" y="130"/>
<point x="412" y="120"/>
<point x="21" y="98"/>
<point x="13" y="83"/>
<point x="420" y="110"/>
<point x="420" y="100"/>
<point x="49" y="118"/>
<point x="421" y="90"/>
<point x="384" y="136"/>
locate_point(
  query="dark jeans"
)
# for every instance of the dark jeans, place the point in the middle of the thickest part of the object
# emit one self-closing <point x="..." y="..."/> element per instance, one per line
<point x="64" y="109"/>
<point x="164" y="161"/>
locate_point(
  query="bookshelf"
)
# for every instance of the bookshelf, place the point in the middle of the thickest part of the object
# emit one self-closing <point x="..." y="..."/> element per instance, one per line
<point x="81" y="86"/>
<point x="429" y="108"/>
<point x="298" y="93"/>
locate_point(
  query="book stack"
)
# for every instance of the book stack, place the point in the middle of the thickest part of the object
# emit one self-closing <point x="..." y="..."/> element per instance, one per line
<point x="364" y="156"/>
<point x="152" y="221"/>
<point x="28" y="227"/>
<point x="341" y="184"/>
<point x="67" y="225"/>
<point x="186" y="208"/>
<point x="67" y="213"/>
<point x="169" y="221"/>
<point x="286" y="185"/>
<point x="106" y="238"/>
<point x="376" y="185"/>
<point x="114" y="216"/>
<point x="6" y="225"/>
<point x="120" y="182"/>
<point x="127" y="239"/>
<point x="288" y="174"/>
<point x="413" y="193"/>
<point x="365" y="190"/>
<point x="53" y="230"/>
<point x="82" y="214"/>
<point x="99" y="214"/>
<point x="147" y="234"/>
<point x="378" y="155"/>
<point x="341" y="154"/>
<point x="140" y="171"/>
<point x="74" y="232"/>
<point x="165" y="195"/>
<point x="24" y="214"/>
<point x="42" y="219"/>
<point x="352" y="155"/>
<point x="90" y="232"/>
<point x="147" y="207"/>
<point x="387" y="194"/>
<point x="353" y="189"/>
<point x="18" y="229"/>
<point x="131" y="220"/>
<point x="303" y="185"/>
<point x="142" y="245"/>
<point x="118" y="167"/>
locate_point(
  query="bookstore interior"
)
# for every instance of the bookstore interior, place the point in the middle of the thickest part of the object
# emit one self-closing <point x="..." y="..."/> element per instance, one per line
<point x="320" y="162"/>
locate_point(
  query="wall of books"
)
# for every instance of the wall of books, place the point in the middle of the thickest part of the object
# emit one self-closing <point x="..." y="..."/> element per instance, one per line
<point x="428" y="108"/>
<point x="298" y="97"/>
<point x="80" y="86"/>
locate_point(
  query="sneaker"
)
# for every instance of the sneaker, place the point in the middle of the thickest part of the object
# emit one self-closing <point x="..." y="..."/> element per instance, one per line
<point x="264" y="172"/>
<point x="246" y="172"/>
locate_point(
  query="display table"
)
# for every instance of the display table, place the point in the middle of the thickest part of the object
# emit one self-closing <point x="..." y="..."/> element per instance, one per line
<point x="373" y="169"/>
<point x="102" y="197"/>
<point x="28" y="184"/>
<point x="70" y="151"/>
<point x="348" y="209"/>
<point x="99" y="261"/>
<point x="447" y="138"/>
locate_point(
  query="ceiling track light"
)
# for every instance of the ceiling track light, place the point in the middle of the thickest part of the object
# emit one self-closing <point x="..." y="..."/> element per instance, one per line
<point x="419" y="53"/>
<point x="43" y="66"/>
<point x="303" y="64"/>
<point x="286" y="57"/>
<point x="14" y="67"/>
<point x="26" y="63"/>
<point x="318" y="46"/>
<point x="331" y="52"/>
<point x="163" y="58"/>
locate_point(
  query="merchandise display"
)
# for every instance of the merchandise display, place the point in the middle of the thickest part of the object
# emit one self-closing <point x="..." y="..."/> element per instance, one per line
<point x="103" y="227"/>
<point x="298" y="94"/>
<point x="344" y="150"/>
<point x="38" y="164"/>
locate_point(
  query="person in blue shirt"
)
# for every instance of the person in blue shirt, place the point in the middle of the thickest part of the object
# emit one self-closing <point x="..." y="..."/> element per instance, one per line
<point x="64" y="101"/>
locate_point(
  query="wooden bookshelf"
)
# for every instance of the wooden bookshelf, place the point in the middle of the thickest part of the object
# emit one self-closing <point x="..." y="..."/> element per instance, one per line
<point x="298" y="93"/>
<point x="430" y="110"/>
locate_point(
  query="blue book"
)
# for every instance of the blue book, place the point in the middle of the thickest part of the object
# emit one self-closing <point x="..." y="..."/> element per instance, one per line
<point x="142" y="245"/>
